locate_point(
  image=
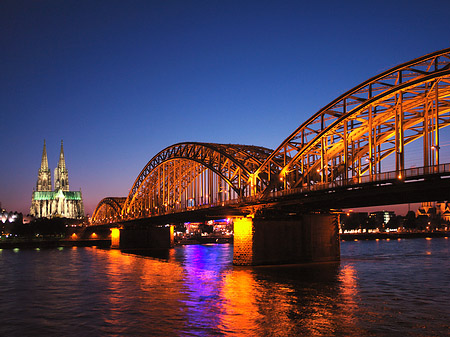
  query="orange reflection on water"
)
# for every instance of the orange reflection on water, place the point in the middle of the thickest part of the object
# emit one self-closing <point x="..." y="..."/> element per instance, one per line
<point x="240" y="310"/>
<point x="319" y="316"/>
<point x="257" y="304"/>
<point x="349" y="294"/>
<point x="153" y="282"/>
<point x="349" y="288"/>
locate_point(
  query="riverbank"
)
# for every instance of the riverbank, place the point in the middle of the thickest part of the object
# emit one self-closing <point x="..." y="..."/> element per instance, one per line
<point x="393" y="235"/>
<point x="23" y="243"/>
<point x="52" y="243"/>
<point x="106" y="243"/>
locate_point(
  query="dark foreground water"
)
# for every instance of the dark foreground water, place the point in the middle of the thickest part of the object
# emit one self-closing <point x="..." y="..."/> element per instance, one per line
<point x="386" y="288"/>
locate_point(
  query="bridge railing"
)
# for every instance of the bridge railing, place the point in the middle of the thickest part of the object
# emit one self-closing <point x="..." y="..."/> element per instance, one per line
<point x="407" y="174"/>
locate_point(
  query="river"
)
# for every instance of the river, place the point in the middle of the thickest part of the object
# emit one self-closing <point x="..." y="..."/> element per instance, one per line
<point x="379" y="288"/>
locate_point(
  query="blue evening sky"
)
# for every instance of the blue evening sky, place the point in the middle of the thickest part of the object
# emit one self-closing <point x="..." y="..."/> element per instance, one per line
<point x="119" y="81"/>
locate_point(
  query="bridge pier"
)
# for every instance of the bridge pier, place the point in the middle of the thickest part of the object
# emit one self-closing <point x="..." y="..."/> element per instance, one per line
<point x="288" y="240"/>
<point x="143" y="238"/>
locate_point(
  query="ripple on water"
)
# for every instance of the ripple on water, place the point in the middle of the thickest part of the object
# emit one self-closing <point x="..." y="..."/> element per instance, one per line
<point x="378" y="288"/>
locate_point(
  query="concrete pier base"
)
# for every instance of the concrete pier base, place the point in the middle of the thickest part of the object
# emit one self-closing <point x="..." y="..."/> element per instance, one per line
<point x="115" y="238"/>
<point x="145" y="238"/>
<point x="299" y="239"/>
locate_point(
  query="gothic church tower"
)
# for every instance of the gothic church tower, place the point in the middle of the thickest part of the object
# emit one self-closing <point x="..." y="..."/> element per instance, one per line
<point x="59" y="202"/>
<point x="44" y="182"/>
<point x="61" y="173"/>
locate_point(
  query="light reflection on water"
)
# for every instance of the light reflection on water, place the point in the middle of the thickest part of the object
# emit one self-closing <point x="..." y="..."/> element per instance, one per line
<point x="378" y="288"/>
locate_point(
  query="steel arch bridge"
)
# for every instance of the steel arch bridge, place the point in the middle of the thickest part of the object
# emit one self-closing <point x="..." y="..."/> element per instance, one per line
<point x="108" y="210"/>
<point x="346" y="142"/>
<point x="190" y="175"/>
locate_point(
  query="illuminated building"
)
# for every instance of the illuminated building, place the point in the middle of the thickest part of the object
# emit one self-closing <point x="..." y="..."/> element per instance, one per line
<point x="10" y="217"/>
<point x="193" y="228"/>
<point x="432" y="209"/>
<point x="382" y="218"/>
<point x="59" y="202"/>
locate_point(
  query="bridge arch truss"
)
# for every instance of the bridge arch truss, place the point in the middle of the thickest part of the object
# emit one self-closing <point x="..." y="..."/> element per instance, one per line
<point x="109" y="209"/>
<point x="190" y="175"/>
<point x="350" y="137"/>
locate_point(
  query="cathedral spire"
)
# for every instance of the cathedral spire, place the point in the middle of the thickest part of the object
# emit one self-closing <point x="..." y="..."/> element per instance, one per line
<point x="44" y="182"/>
<point x="61" y="174"/>
<point x="62" y="161"/>
<point x="44" y="161"/>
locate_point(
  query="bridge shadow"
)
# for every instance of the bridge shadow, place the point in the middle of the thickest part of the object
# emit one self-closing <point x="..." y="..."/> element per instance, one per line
<point x="159" y="254"/>
<point x="325" y="272"/>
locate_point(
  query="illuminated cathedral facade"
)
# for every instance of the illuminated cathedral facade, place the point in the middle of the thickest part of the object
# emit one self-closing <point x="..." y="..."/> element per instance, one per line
<point x="48" y="202"/>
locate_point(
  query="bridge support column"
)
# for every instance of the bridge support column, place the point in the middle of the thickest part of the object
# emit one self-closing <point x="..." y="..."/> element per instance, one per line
<point x="115" y="238"/>
<point x="299" y="239"/>
<point x="145" y="238"/>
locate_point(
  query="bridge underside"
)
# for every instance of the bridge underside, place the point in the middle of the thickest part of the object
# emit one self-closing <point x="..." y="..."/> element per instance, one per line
<point x="269" y="238"/>
<point x="386" y="193"/>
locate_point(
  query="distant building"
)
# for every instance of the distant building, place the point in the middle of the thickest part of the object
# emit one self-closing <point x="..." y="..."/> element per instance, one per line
<point x="59" y="202"/>
<point x="432" y="209"/>
<point x="10" y="217"/>
<point x="381" y="218"/>
<point x="9" y="220"/>
<point x="351" y="221"/>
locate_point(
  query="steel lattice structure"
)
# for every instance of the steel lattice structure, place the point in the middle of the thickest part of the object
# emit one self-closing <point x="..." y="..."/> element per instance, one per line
<point x="346" y="142"/>
<point x="188" y="175"/>
<point x="108" y="210"/>
<point x="350" y="137"/>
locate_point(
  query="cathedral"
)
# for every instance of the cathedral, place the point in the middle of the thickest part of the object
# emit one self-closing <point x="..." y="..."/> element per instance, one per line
<point x="59" y="201"/>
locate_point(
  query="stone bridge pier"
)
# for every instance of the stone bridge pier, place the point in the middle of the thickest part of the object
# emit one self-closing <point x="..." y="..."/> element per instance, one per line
<point x="150" y="237"/>
<point x="286" y="240"/>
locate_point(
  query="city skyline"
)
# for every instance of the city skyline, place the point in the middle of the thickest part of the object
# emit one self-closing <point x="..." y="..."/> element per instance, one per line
<point x="120" y="82"/>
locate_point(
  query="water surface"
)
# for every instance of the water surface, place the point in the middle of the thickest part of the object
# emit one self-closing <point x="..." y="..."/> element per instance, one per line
<point x="378" y="288"/>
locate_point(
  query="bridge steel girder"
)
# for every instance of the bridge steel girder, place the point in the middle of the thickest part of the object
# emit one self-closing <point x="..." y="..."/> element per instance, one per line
<point x="351" y="136"/>
<point x="180" y="168"/>
<point x="108" y="209"/>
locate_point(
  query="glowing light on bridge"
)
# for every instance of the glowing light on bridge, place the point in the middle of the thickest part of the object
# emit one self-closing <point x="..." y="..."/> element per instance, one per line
<point x="243" y="238"/>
